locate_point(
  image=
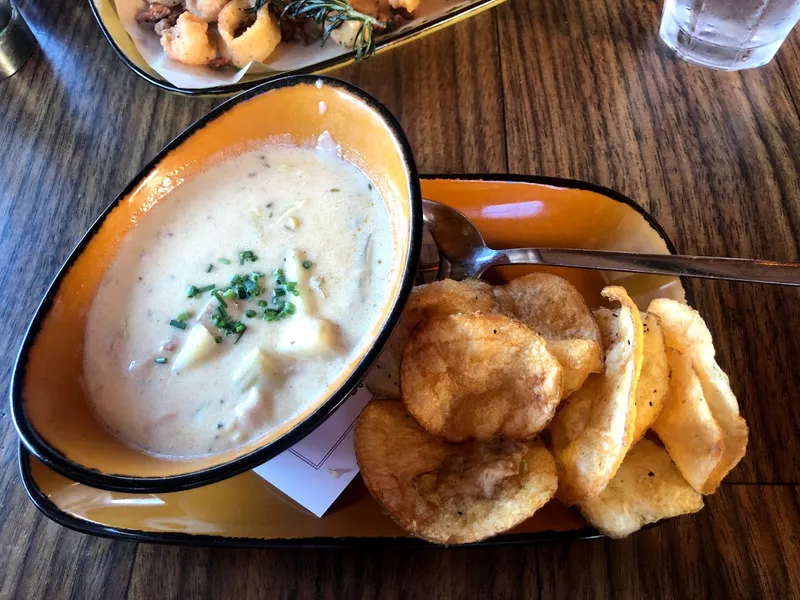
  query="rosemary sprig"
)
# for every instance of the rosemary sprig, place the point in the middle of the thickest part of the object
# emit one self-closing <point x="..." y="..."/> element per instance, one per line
<point x="330" y="15"/>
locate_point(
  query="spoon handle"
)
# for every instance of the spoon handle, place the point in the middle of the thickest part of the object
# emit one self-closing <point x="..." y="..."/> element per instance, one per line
<point x="706" y="267"/>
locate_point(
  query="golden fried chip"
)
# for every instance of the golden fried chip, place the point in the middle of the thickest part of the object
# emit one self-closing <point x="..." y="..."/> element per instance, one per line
<point x="594" y="429"/>
<point x="471" y="377"/>
<point x="440" y="298"/>
<point x="550" y="305"/>
<point x="651" y="392"/>
<point x="686" y="332"/>
<point x="578" y="359"/>
<point x="647" y="488"/>
<point x="445" y="493"/>
<point x="687" y="427"/>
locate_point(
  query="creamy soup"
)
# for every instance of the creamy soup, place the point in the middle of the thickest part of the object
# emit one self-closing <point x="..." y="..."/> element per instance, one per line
<point x="235" y="302"/>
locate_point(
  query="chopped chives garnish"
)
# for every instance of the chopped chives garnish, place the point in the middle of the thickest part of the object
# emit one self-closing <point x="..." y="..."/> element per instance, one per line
<point x="245" y="287"/>
<point x="218" y="339"/>
<point x="217" y="295"/>
<point x="209" y="268"/>
<point x="334" y="189"/>
<point x="161" y="360"/>
<point x="247" y="255"/>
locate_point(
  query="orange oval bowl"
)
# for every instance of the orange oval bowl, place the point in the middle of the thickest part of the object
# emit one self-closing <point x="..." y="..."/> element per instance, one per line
<point x="49" y="407"/>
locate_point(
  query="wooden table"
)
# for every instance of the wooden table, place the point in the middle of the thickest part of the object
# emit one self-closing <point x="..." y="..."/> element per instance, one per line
<point x="576" y="88"/>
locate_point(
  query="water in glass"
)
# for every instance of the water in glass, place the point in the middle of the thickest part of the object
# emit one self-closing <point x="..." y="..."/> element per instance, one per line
<point x="728" y="34"/>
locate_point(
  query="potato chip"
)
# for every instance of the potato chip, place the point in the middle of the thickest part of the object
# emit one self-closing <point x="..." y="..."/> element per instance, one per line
<point x="439" y="298"/>
<point x="686" y="426"/>
<point x="550" y="305"/>
<point x="646" y="488"/>
<point x="578" y="359"/>
<point x="470" y="377"/>
<point x="594" y="429"/>
<point x="445" y="493"/>
<point x="686" y="332"/>
<point x="573" y="414"/>
<point x="653" y="386"/>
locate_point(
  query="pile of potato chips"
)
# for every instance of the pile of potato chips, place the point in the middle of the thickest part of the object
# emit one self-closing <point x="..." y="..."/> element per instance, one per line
<point x="499" y="398"/>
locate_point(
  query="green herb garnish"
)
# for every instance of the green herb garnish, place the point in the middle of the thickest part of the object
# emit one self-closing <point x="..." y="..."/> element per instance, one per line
<point x="217" y="295"/>
<point x="224" y="261"/>
<point x="177" y="324"/>
<point x="250" y="314"/>
<point x="209" y="268"/>
<point x="161" y="360"/>
<point x="307" y="264"/>
<point x="330" y="15"/>
<point x="247" y="255"/>
<point x="183" y="316"/>
<point x="193" y="290"/>
<point x="226" y="323"/>
<point x="218" y="339"/>
<point x="262" y="303"/>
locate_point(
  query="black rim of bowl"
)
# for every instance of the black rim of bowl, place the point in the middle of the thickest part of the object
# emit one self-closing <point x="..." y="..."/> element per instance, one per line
<point x="55" y="513"/>
<point x="60" y="463"/>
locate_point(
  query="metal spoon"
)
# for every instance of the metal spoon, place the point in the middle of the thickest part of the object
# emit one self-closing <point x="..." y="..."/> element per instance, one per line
<point x="462" y="246"/>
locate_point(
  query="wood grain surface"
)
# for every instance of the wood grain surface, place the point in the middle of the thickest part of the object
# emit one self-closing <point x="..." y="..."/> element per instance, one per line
<point x="577" y="88"/>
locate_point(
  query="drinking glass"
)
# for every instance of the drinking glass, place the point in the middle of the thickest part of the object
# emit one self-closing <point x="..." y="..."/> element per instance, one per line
<point x="728" y="35"/>
<point x="16" y="40"/>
